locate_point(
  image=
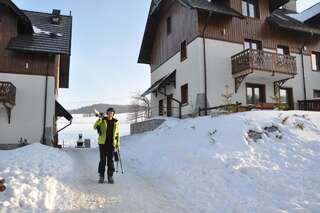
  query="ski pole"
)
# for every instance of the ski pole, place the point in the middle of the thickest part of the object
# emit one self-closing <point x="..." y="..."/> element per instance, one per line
<point x="120" y="161"/>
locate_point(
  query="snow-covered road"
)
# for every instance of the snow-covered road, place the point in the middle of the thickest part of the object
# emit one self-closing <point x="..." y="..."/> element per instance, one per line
<point x="132" y="191"/>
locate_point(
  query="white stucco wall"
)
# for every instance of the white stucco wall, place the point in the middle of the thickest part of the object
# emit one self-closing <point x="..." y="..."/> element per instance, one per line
<point x="27" y="116"/>
<point x="187" y="71"/>
<point x="219" y="74"/>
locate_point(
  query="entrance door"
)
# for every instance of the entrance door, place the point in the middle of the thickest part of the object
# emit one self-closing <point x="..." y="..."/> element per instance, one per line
<point x="286" y="95"/>
<point x="169" y="105"/>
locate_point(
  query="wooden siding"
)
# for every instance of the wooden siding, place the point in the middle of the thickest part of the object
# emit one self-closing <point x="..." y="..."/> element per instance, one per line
<point x="236" y="30"/>
<point x="15" y="62"/>
<point x="184" y="27"/>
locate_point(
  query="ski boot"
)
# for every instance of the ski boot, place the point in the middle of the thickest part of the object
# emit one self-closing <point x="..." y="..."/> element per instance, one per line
<point x="110" y="180"/>
<point x="101" y="179"/>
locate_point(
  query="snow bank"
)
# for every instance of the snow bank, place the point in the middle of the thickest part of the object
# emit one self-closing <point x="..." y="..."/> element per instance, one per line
<point x="214" y="165"/>
<point x="33" y="175"/>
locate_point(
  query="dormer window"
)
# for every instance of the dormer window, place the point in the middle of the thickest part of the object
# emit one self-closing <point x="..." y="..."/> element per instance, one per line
<point x="250" y="8"/>
<point x="56" y="18"/>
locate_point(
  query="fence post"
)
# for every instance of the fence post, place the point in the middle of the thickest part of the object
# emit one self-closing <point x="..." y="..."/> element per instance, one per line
<point x="180" y="110"/>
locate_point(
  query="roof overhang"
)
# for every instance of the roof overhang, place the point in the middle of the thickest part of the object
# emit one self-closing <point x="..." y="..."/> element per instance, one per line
<point x="283" y="21"/>
<point x="275" y="4"/>
<point x="62" y="112"/>
<point x="166" y="80"/>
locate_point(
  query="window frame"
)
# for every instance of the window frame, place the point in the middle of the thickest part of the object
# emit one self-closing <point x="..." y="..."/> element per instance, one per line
<point x="183" y="50"/>
<point x="252" y="41"/>
<point x="314" y="92"/>
<point x="184" y="89"/>
<point x="245" y="5"/>
<point x="317" y="58"/>
<point x="262" y="95"/>
<point x="286" y="49"/>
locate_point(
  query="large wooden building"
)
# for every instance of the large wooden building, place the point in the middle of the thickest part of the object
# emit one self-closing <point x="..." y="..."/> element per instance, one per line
<point x="35" y="50"/>
<point x="259" y="49"/>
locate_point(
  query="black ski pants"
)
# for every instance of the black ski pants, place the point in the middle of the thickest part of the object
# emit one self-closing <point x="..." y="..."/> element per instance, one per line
<point x="106" y="157"/>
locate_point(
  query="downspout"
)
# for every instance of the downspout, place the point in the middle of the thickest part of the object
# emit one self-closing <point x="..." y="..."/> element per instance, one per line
<point x="205" y="65"/>
<point x="45" y="103"/>
<point x="303" y="75"/>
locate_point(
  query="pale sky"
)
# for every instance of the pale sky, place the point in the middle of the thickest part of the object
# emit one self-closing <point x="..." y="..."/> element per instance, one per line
<point x="107" y="35"/>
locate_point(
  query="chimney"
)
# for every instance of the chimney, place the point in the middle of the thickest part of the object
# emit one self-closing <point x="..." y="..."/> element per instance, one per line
<point x="56" y="18"/>
<point x="291" y="6"/>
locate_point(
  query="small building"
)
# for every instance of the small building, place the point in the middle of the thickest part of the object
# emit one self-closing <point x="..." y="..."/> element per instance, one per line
<point x="259" y="51"/>
<point x="35" y="50"/>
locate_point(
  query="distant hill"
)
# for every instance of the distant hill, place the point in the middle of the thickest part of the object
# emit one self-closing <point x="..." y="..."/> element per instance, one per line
<point x="102" y="108"/>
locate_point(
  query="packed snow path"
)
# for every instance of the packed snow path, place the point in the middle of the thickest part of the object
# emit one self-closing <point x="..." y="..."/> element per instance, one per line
<point x="131" y="192"/>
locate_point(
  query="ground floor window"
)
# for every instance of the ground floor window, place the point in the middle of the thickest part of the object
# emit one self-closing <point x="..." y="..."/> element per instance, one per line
<point x="184" y="94"/>
<point x="161" y="108"/>
<point x="286" y="97"/>
<point x="316" y="94"/>
<point x="315" y="59"/>
<point x="255" y="93"/>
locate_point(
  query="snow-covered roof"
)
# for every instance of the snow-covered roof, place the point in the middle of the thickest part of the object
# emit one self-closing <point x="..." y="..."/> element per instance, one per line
<point x="307" y="14"/>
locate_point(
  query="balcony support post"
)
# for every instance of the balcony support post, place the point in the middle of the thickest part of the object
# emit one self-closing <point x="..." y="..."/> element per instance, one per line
<point x="278" y="84"/>
<point x="238" y="81"/>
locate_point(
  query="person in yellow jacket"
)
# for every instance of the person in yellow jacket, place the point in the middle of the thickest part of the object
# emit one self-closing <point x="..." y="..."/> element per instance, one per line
<point x="109" y="141"/>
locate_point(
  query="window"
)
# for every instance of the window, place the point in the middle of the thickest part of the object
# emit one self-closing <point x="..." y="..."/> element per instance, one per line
<point x="315" y="59"/>
<point x="255" y="93"/>
<point x="169" y="25"/>
<point x="252" y="44"/>
<point x="184" y="51"/>
<point x="184" y="94"/>
<point x="283" y="50"/>
<point x="284" y="96"/>
<point x="250" y="8"/>
<point x="161" y="108"/>
<point x="316" y="94"/>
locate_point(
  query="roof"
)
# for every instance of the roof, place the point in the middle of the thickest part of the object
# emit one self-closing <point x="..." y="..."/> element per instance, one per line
<point x="214" y="7"/>
<point x="281" y="19"/>
<point x="47" y="37"/>
<point x="202" y="5"/>
<point x="23" y="19"/>
<point x="275" y="4"/>
<point x="154" y="87"/>
<point x="307" y="14"/>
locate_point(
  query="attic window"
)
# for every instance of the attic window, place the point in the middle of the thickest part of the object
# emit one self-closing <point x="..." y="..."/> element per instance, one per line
<point x="250" y="8"/>
<point x="56" y="17"/>
<point x="169" y="25"/>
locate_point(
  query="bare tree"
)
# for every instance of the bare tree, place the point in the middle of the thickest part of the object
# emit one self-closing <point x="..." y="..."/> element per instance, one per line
<point x="140" y="106"/>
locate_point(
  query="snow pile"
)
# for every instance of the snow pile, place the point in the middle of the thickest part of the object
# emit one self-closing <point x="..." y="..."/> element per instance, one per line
<point x="40" y="31"/>
<point x="263" y="161"/>
<point x="32" y="174"/>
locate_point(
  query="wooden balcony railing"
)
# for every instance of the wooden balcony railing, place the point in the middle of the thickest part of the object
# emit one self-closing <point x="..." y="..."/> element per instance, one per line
<point x="7" y="93"/>
<point x="264" y="61"/>
<point x="309" y="105"/>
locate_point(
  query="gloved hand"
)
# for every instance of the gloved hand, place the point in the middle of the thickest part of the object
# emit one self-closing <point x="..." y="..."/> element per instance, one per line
<point x="99" y="130"/>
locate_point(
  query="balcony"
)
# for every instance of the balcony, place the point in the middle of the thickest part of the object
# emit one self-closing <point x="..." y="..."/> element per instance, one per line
<point x="266" y="66"/>
<point x="7" y="94"/>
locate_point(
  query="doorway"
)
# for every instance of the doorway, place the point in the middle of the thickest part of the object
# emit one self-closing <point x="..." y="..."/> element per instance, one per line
<point x="286" y="96"/>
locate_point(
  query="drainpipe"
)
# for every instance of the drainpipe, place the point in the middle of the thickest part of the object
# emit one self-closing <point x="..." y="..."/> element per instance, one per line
<point x="45" y="102"/>
<point x="205" y="65"/>
<point x="303" y="75"/>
